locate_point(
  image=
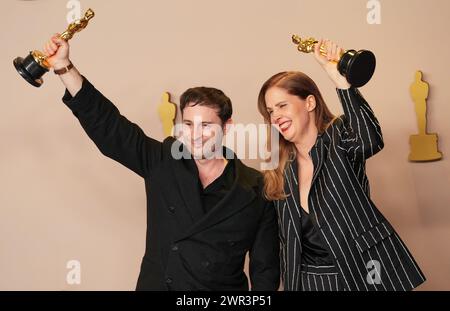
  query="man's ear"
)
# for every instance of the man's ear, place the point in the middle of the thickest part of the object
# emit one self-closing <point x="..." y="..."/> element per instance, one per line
<point x="227" y="125"/>
<point x="310" y="103"/>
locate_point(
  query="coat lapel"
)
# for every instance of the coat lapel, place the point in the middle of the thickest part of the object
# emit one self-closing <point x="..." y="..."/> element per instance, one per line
<point x="240" y="195"/>
<point x="291" y="183"/>
<point x="317" y="155"/>
<point x="292" y="195"/>
<point x="187" y="187"/>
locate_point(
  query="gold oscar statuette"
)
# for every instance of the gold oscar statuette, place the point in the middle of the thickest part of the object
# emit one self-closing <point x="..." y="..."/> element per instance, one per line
<point x="356" y="66"/>
<point x="35" y="65"/>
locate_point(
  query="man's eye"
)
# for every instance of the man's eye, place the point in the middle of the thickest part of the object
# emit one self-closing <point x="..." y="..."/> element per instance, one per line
<point x="281" y="106"/>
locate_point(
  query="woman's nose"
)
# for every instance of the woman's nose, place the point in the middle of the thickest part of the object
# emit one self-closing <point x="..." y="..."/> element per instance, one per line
<point x="275" y="118"/>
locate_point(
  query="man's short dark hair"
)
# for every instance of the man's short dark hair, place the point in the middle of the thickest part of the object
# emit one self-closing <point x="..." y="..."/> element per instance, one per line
<point x="209" y="97"/>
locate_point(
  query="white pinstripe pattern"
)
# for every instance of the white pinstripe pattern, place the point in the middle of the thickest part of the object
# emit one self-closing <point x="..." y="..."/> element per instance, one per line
<point x="309" y="282"/>
<point x="353" y="229"/>
<point x="323" y="279"/>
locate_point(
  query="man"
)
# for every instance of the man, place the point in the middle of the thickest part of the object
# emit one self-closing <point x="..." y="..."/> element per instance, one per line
<point x="203" y="214"/>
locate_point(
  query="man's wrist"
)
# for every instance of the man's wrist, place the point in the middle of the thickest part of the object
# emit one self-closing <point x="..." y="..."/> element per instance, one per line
<point x="63" y="67"/>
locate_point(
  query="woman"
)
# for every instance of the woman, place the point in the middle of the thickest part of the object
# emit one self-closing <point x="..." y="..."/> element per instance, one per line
<point x="332" y="235"/>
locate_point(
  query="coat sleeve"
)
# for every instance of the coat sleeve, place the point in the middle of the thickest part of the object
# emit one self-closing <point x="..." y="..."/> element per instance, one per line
<point x="264" y="255"/>
<point x="114" y="135"/>
<point x="361" y="133"/>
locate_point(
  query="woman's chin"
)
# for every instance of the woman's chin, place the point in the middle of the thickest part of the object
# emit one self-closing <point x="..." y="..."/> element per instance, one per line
<point x="287" y="136"/>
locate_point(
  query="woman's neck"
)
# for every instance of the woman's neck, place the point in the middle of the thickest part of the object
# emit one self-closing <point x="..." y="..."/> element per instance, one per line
<point x="306" y="142"/>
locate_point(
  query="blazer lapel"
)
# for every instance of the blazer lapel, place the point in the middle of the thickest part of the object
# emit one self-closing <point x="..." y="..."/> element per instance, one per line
<point x="291" y="182"/>
<point x="187" y="186"/>
<point x="240" y="195"/>
<point x="317" y="154"/>
<point x="292" y="195"/>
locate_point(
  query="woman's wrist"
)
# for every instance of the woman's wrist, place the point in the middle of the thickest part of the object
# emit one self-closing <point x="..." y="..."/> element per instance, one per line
<point x="340" y="81"/>
<point x="343" y="86"/>
<point x="333" y="73"/>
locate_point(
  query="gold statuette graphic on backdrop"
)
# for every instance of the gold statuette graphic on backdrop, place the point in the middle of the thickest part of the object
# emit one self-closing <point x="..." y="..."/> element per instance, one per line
<point x="356" y="66"/>
<point x="424" y="146"/>
<point x="167" y="113"/>
<point x="35" y="65"/>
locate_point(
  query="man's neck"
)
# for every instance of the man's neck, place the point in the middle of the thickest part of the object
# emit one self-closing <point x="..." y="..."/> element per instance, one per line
<point x="210" y="169"/>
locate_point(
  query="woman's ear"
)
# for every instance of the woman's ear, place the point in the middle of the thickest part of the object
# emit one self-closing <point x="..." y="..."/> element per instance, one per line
<point x="310" y="103"/>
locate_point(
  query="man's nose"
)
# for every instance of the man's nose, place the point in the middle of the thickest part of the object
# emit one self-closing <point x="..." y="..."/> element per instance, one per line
<point x="198" y="133"/>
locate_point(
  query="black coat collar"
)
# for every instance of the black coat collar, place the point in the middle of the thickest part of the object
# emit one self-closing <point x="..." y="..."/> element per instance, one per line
<point x="244" y="190"/>
<point x="291" y="186"/>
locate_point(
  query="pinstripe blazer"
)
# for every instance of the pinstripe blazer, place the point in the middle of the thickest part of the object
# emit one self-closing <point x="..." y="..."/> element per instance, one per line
<point x="368" y="253"/>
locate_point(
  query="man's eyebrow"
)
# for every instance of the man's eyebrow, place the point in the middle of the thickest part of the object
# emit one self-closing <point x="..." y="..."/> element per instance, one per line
<point x="207" y="122"/>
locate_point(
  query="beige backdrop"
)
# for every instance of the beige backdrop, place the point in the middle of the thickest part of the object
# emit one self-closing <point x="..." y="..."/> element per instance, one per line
<point x="61" y="200"/>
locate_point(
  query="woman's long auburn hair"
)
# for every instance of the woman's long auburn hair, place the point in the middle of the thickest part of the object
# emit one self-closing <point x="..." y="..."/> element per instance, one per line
<point x="298" y="84"/>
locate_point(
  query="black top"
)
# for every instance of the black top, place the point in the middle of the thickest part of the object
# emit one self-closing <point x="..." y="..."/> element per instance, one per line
<point x="218" y="189"/>
<point x="314" y="250"/>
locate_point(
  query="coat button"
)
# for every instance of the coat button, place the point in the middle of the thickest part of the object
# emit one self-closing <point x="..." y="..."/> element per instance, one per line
<point x="169" y="280"/>
<point x="171" y="209"/>
<point x="175" y="248"/>
<point x="231" y="243"/>
<point x="205" y="264"/>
